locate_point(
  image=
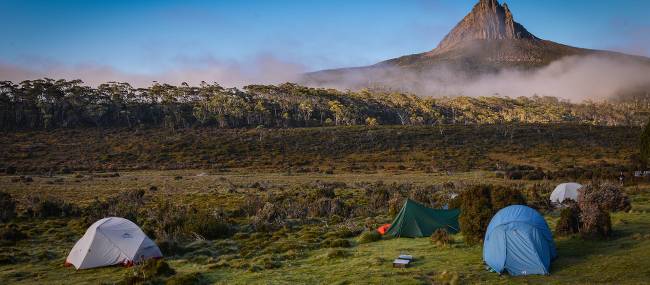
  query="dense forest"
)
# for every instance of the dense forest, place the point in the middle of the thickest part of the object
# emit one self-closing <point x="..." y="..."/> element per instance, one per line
<point x="51" y="104"/>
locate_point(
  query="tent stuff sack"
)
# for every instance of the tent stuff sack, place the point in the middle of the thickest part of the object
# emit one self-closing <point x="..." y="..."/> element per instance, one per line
<point x="519" y="241"/>
<point x="382" y="229"/>
<point x="416" y="220"/>
<point x="565" y="191"/>
<point x="111" y="241"/>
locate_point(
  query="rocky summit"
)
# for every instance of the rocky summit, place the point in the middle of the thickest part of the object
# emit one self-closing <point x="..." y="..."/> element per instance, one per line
<point x="487" y="40"/>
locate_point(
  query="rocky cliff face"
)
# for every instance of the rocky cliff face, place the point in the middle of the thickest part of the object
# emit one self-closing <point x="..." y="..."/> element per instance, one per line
<point x="488" y="20"/>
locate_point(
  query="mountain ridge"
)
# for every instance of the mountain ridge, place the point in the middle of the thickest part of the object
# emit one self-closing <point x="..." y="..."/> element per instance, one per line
<point x="486" y="40"/>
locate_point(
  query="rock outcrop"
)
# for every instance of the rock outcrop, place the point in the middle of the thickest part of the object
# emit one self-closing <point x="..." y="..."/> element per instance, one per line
<point x="488" y="20"/>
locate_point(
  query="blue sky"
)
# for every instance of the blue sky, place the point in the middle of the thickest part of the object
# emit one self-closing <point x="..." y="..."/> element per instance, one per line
<point x="150" y="37"/>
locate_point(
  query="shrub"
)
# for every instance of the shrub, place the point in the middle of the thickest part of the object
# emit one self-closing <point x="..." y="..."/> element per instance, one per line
<point x="475" y="213"/>
<point x="125" y="204"/>
<point x="170" y="221"/>
<point x="594" y="202"/>
<point x="569" y="222"/>
<point x="369" y="236"/>
<point x="11" y="233"/>
<point x="148" y="271"/>
<point x="537" y="196"/>
<point x="45" y="207"/>
<point x="209" y="225"/>
<point x="608" y="196"/>
<point x="395" y="203"/>
<point x="7" y="207"/>
<point x="595" y="222"/>
<point x="502" y="197"/>
<point x="441" y="238"/>
<point x="326" y="207"/>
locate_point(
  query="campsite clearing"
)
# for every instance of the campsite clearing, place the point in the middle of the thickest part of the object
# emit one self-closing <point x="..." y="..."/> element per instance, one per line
<point x="40" y="258"/>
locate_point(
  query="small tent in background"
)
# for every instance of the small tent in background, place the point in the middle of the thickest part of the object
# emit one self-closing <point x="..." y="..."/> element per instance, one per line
<point x="565" y="191"/>
<point x="416" y="220"/>
<point x="519" y="241"/>
<point x="112" y="241"/>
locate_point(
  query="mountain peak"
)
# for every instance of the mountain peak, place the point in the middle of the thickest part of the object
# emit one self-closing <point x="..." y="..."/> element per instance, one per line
<point x="488" y="20"/>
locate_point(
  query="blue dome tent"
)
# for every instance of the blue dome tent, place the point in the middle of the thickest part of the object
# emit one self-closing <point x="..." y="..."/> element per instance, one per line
<point x="518" y="240"/>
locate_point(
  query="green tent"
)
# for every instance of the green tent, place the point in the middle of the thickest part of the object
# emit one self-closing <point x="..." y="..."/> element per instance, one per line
<point x="416" y="220"/>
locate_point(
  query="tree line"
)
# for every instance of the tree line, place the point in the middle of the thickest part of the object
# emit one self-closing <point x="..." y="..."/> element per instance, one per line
<point x="49" y="104"/>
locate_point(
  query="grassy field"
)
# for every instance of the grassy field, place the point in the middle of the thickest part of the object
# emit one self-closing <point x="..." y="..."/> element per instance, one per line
<point x="292" y="255"/>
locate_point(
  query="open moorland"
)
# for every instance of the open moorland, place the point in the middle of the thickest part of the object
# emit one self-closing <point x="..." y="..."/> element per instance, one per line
<point x="301" y="205"/>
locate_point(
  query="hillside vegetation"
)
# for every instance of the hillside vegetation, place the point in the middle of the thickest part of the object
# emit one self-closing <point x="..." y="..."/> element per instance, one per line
<point x="51" y="104"/>
<point x="572" y="148"/>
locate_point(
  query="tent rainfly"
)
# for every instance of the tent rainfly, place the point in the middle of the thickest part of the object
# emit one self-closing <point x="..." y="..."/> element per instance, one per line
<point x="416" y="220"/>
<point x="565" y="191"/>
<point x="111" y="241"/>
<point x="519" y="241"/>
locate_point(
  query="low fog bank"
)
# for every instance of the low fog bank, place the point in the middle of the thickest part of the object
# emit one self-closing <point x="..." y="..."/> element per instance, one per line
<point x="262" y="69"/>
<point x="576" y="78"/>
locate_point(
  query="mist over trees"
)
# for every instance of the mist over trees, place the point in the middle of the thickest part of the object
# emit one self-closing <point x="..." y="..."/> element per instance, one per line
<point x="49" y="104"/>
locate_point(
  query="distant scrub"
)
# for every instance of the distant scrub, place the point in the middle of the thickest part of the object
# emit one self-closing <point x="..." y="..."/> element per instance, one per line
<point x="51" y="207"/>
<point x="7" y="207"/>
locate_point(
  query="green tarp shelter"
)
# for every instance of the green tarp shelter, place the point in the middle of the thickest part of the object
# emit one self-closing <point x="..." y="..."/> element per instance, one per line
<point x="416" y="220"/>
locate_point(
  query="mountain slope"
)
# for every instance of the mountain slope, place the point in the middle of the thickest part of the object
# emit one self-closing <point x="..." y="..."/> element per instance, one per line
<point x="487" y="40"/>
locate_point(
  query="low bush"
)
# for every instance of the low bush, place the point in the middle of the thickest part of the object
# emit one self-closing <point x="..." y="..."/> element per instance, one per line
<point x="7" y="207"/>
<point x="441" y="237"/>
<point x="476" y="212"/>
<point x="166" y="220"/>
<point x="125" y="204"/>
<point x="151" y="271"/>
<point x="501" y="197"/>
<point x="369" y="236"/>
<point x="11" y="234"/>
<point x="595" y="222"/>
<point x="608" y="196"/>
<point x="46" y="207"/>
<point x="569" y="222"/>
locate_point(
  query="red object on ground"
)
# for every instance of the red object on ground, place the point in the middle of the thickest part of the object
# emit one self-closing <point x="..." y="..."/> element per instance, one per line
<point x="382" y="230"/>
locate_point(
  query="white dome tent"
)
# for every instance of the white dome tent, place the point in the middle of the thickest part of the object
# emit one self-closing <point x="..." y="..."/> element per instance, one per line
<point x="111" y="241"/>
<point x="565" y="191"/>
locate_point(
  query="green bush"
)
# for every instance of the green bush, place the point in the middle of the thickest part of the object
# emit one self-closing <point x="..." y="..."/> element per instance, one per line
<point x="7" y="207"/>
<point x="166" y="220"/>
<point x="569" y="221"/>
<point x="475" y="212"/>
<point x="501" y="197"/>
<point x="369" y="236"/>
<point x="441" y="237"/>
<point x="125" y="204"/>
<point x="607" y="196"/>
